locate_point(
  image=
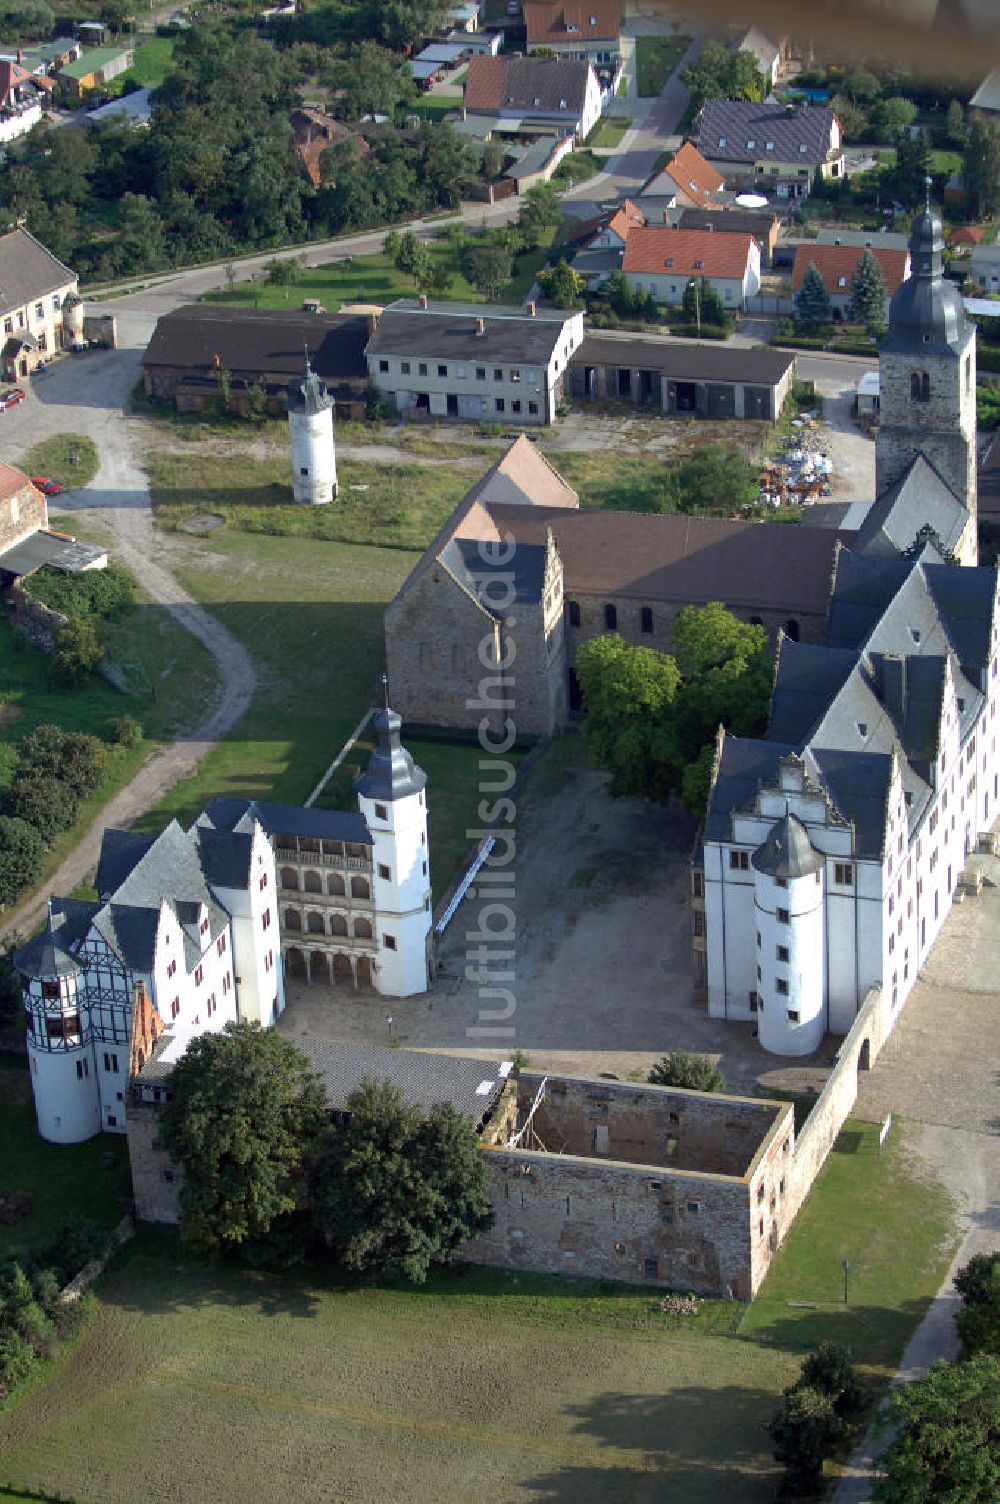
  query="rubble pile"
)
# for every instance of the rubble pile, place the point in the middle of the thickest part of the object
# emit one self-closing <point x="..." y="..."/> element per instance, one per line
<point x="800" y="476"/>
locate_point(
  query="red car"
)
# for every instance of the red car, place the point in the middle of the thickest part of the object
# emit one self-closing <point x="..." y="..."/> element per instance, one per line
<point x="11" y="398"/>
<point x="46" y="486"/>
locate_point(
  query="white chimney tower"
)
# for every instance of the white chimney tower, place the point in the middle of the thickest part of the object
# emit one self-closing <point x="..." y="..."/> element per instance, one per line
<point x="314" y="453"/>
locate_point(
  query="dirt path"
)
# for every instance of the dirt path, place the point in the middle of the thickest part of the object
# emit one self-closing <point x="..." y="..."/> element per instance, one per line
<point x="118" y="500"/>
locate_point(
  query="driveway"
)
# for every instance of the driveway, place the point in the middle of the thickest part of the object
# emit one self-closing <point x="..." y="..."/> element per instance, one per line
<point x="87" y="394"/>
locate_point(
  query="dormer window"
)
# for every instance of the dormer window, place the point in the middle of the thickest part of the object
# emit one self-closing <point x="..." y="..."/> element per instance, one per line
<point x="751" y="144"/>
<point x="961" y="705"/>
<point x="669" y="261"/>
<point x="699" y="264"/>
<point x="803" y="148"/>
<point x="562" y="104"/>
<point x="537" y="101"/>
<point x="768" y="145"/>
<point x="722" y="140"/>
<point x="841" y="281"/>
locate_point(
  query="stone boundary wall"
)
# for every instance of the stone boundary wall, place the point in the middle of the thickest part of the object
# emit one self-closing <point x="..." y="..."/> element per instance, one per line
<point x="860" y="1049"/>
<point x="39" y="623"/>
<point x="93" y="1271"/>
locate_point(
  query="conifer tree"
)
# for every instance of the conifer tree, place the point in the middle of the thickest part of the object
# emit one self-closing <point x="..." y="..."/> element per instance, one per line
<point x="868" y="293"/>
<point x="812" y="301"/>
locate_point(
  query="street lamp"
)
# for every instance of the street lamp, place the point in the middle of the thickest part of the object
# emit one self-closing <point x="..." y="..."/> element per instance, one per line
<point x="847" y="1265"/>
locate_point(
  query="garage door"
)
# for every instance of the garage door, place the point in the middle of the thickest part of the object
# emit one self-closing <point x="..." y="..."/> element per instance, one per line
<point x="756" y="402"/>
<point x="720" y="400"/>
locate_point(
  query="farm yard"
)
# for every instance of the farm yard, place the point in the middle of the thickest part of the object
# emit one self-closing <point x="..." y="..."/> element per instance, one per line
<point x="552" y="1390"/>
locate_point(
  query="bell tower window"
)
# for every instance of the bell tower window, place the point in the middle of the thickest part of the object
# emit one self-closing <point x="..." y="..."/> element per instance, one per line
<point x="920" y="386"/>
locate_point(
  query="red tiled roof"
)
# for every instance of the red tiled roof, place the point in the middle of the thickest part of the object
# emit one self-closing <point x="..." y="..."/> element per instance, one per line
<point x="622" y="220"/>
<point x="836" y="261"/>
<point x="707" y="253"/>
<point x="693" y="175"/>
<point x="967" y="235"/>
<point x="592" y="21"/>
<point x="484" y="82"/>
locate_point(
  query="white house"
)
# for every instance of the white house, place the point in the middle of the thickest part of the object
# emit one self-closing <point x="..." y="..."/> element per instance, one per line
<point x="21" y="101"/>
<point x="209" y="921"/>
<point x="662" y="260"/>
<point x="833" y="847"/>
<point x="537" y="90"/>
<point x="40" y="308"/>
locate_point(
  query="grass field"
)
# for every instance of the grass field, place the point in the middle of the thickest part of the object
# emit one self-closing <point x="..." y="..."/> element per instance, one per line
<point x="557" y="1391"/>
<point x="69" y="458"/>
<point x="152" y="62"/>
<point x="375" y="279"/>
<point x="609" y="131"/>
<point x="656" y="58"/>
<point x="65" y="1180"/>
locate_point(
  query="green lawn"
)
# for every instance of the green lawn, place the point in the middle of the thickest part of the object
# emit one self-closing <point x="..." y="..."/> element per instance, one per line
<point x="551" y="1389"/>
<point x="152" y="62"/>
<point x="69" y="458"/>
<point x="609" y="131"/>
<point x="656" y="58"/>
<point x="65" y="1180"/>
<point x="436" y="106"/>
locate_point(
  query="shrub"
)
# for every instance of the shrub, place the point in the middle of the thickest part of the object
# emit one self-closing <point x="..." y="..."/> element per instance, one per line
<point x="22" y="852"/>
<point x="829" y="1368"/>
<point x="73" y="756"/>
<point x="804" y="1430"/>
<point x="45" y="802"/>
<point x="974" y="1281"/>
<point x="76" y="650"/>
<point x="127" y="731"/>
<point x="96" y="592"/>
<point x="17" y="1359"/>
<point x="695" y="1072"/>
<point x="79" y="1242"/>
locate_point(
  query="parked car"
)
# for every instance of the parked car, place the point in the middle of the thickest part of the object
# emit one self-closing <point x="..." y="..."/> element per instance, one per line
<point x="46" y="486"/>
<point x="11" y="398"/>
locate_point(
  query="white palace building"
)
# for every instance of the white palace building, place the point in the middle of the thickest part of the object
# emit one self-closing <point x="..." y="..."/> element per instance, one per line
<point x="199" y="918"/>
<point x="833" y="846"/>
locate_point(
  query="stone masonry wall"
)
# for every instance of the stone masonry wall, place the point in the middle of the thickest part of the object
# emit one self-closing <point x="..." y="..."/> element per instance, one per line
<point x="432" y="637"/>
<point x="21" y="514"/>
<point x="629" y="622"/>
<point x="157" y="1199"/>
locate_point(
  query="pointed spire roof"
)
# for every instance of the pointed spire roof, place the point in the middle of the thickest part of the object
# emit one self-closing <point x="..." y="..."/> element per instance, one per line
<point x="309" y="395"/>
<point x="787" y="852"/>
<point x="391" y="772"/>
<point x="926" y="314"/>
<point x="43" y="957"/>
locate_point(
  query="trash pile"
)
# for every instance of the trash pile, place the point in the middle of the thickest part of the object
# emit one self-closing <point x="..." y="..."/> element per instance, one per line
<point x="800" y="476"/>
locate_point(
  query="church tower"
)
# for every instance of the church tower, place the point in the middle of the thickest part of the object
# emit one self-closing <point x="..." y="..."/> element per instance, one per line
<point x="392" y="799"/>
<point x="314" y="455"/>
<point x="927" y="365"/>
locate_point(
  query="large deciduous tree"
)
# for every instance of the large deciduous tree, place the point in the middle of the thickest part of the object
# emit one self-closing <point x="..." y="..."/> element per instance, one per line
<point x="947" y="1443"/>
<point x="401" y="1189"/>
<point x="488" y="266"/>
<point x="22" y="852"/>
<point x="720" y="73"/>
<point x="981" y="167"/>
<point x="245" y="1122"/>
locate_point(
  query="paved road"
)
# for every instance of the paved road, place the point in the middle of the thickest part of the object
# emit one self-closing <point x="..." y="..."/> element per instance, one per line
<point x="88" y="394"/>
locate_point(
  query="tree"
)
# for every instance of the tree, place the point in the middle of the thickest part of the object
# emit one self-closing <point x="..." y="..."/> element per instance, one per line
<point x="908" y="179"/>
<point x="400" y="23"/>
<point x="22" y="852"/>
<point x="627" y="692"/>
<point x="562" y="285"/>
<point x="694" y="1072"/>
<point x="401" y="1189"/>
<point x="446" y="164"/>
<point x="830" y="1369"/>
<point x="979" y="1319"/>
<point x="981" y="167"/>
<point x="282" y="272"/>
<point x="862" y="86"/>
<point x="246" y="1122"/>
<point x="255" y="401"/>
<point x="804" y="1430"/>
<point x="812" y="301"/>
<point x="412" y="256"/>
<point x="868" y="293"/>
<point x="27" y="18"/>
<point x="947" y="1445"/>
<point x="47" y="803"/>
<point x="974" y="1281"/>
<point x="73" y="756"/>
<point x="701" y="304"/>
<point x="391" y="245"/>
<point x="492" y="160"/>
<point x="714" y="481"/>
<point x="116" y="15"/>
<point x="955" y="123"/>
<point x="76" y="649"/>
<point x="892" y="115"/>
<point x="718" y="73"/>
<point x="488" y="267"/>
<point x="539" y="212"/>
<point x="371" y="80"/>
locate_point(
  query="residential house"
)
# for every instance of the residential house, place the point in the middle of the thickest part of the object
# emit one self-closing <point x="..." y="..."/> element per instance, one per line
<point x="94" y="67"/>
<point x="589" y="29"/>
<point x="35" y="292"/>
<point x="21" y="101"/>
<point x="687" y="181"/>
<point x="770" y="147"/>
<point x="837" y="265"/>
<point x="964" y="237"/>
<point x="315" y="132"/>
<point x="769" y="56"/>
<point x="984" y="267"/>
<point x="473" y="360"/>
<point x="762" y="224"/>
<point x="465" y="16"/>
<point x="564" y="93"/>
<point x="43" y="58"/>
<point x="661" y="260"/>
<point x="985" y="103"/>
<point x="600" y="242"/>
<point x="199" y="352"/>
<point x="25" y="541"/>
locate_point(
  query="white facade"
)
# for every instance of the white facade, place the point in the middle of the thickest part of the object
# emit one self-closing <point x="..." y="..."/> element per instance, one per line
<point x="669" y="287"/>
<point x="19" y="120"/>
<point x="314" y="453"/>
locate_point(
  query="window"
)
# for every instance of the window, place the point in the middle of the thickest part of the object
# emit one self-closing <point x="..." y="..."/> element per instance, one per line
<point x="781" y="915"/>
<point x="404" y="366"/>
<point x="422" y="368"/>
<point x="739" y="861"/>
<point x="199" y="975"/>
<point x="698" y="884"/>
<point x="110" y="1062"/>
<point x="646" y="619"/>
<point x="442" y="370"/>
<point x="383" y="871"/>
<point x="167" y="1176"/>
<point x="220" y="944"/>
<point x="50" y="990"/>
<point x="381" y="813"/>
<point x="694" y="1207"/>
<point x="212" y="1005"/>
<point x="515" y="406"/>
<point x="499" y="404"/>
<point x="781" y="987"/>
<point x="383" y="365"/>
<point x="227" y="983"/>
<point x="843" y="874"/>
<point x="573" y="610"/>
<point x="263" y="882"/>
<point x="751" y="144"/>
<point x="39" y="310"/>
<point x="390" y="942"/>
<point x="82" y="1070"/>
<point x="480" y="373"/>
<point x="533" y="409"/>
<point x="793" y="1015"/>
<point x="515" y="374"/>
<point x="699" y="923"/>
<point x="610" y="618"/>
<point x="920" y="386"/>
<point x="112" y="1120"/>
<point x="782" y="952"/>
<point x="175" y="1007"/>
<point x="203" y="926"/>
<point x="841" y="281"/>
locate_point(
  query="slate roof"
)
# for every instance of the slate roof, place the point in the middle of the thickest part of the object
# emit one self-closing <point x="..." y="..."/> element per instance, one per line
<point x="553" y="86"/>
<point x="866" y="239"/>
<point x="662" y="250"/>
<point x="255" y="341"/>
<point x="987" y="96"/>
<point x="919" y="498"/>
<point x="449" y="331"/>
<point x="229" y="813"/>
<point x="787" y="852"/>
<point x="807" y="677"/>
<point x="120" y="851"/>
<point x="758" y="365"/>
<point x="28" y="270"/>
<point x="800" y="133"/>
<point x="834" y="262"/>
<point x="391" y="773"/>
<point x="472" y="567"/>
<point x="744" y="764"/>
<point x="579" y="22"/>
<point x="858" y="785"/>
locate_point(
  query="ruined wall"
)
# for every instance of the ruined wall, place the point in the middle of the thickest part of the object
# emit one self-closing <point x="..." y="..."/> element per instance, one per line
<point x="156" y="1180"/>
<point x="21" y="513"/>
<point x="38" y="622"/>
<point x="812" y="628"/>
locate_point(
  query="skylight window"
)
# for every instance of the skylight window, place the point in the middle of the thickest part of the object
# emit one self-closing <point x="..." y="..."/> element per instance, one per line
<point x="751" y="144"/>
<point x="722" y="140"/>
<point x="803" y="147"/>
<point x="768" y="145"/>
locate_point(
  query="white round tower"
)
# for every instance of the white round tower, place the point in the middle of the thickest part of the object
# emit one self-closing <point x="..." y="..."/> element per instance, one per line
<point x="791" y="959"/>
<point x="60" y="1054"/>
<point x="314" y="453"/>
<point x="392" y="798"/>
<point x="72" y="312"/>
